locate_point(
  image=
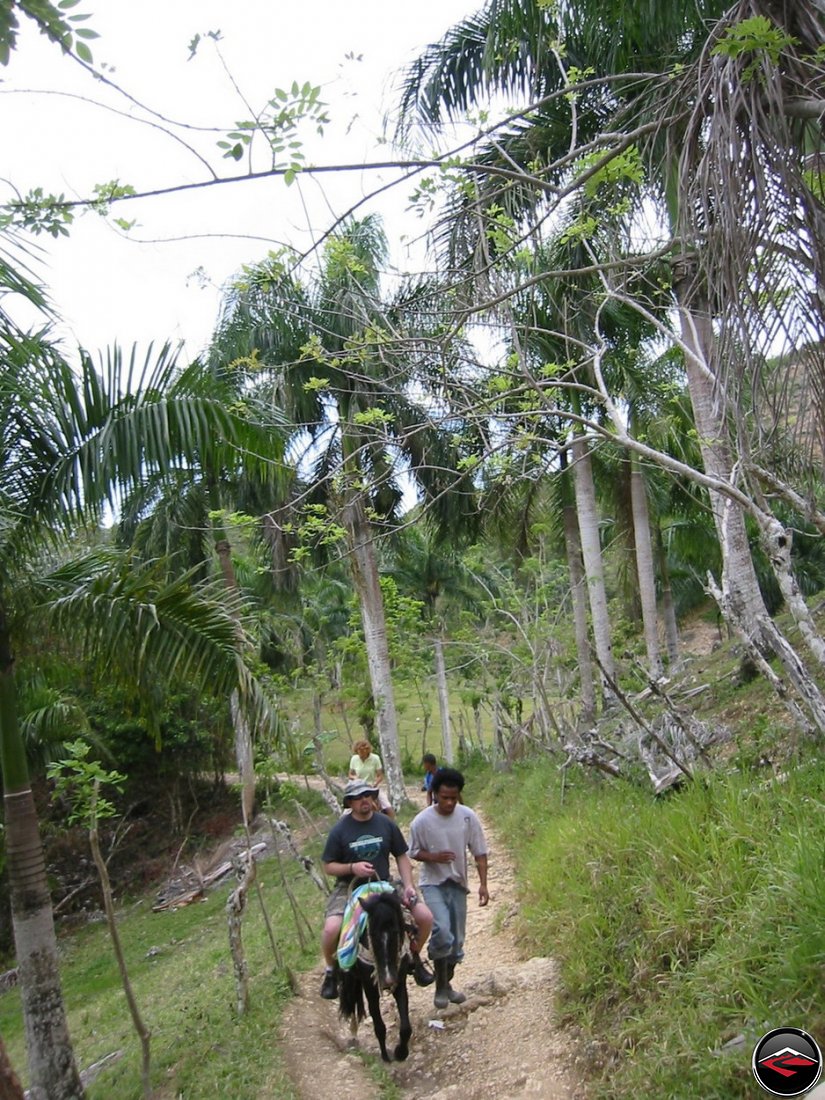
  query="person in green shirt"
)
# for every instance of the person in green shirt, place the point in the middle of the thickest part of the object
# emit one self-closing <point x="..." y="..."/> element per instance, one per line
<point x="366" y="764"/>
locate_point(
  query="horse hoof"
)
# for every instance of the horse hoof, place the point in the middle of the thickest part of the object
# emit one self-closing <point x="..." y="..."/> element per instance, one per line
<point x="400" y="1053"/>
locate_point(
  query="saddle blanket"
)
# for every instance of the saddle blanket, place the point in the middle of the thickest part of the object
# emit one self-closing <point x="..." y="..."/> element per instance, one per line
<point x="355" y="919"/>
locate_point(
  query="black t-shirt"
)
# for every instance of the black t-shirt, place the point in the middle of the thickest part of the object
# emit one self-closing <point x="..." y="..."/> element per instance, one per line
<point x="351" y="841"/>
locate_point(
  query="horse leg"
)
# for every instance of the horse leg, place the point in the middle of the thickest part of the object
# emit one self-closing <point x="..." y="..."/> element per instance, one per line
<point x="351" y="1001"/>
<point x="402" y="1000"/>
<point x="373" y="995"/>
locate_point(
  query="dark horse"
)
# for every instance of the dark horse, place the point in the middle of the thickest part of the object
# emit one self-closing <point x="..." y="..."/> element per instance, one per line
<point x="383" y="963"/>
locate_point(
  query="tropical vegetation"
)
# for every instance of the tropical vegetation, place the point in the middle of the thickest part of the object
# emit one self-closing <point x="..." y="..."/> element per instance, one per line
<point x="500" y="488"/>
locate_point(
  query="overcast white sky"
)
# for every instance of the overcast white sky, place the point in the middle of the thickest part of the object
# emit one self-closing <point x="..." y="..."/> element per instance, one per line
<point x="108" y="287"/>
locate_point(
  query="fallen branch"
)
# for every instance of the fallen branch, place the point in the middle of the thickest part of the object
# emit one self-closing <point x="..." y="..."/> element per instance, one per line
<point x="640" y="722"/>
<point x="87" y="1076"/>
<point x="223" y="869"/>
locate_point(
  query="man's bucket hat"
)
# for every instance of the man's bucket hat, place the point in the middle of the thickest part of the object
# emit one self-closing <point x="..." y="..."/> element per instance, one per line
<point x="356" y="787"/>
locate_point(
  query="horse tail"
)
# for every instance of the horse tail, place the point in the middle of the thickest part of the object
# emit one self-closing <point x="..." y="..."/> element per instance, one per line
<point x="351" y="994"/>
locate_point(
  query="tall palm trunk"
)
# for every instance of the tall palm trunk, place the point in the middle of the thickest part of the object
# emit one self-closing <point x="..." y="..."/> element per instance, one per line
<point x="364" y="567"/>
<point x="573" y="549"/>
<point x="588" y="518"/>
<point x="52" y="1068"/>
<point x="739" y="581"/>
<point x="740" y="593"/>
<point x="645" y="568"/>
<point x="240" y="725"/>
<point x="668" y="606"/>
<point x="443" y="699"/>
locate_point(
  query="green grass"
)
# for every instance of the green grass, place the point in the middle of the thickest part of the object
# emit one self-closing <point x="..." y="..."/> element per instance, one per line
<point x="181" y="969"/>
<point x="679" y="923"/>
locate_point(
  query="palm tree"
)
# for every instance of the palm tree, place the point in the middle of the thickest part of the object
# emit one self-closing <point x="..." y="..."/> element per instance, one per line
<point x="342" y="362"/>
<point x="74" y="440"/>
<point x="210" y="487"/>
<point x="723" y="160"/>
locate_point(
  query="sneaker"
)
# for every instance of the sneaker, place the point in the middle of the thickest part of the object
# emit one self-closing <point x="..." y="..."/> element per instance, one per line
<point x="421" y="974"/>
<point x="329" y="988"/>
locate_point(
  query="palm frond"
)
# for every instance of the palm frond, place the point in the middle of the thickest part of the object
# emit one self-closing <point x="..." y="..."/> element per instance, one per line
<point x="144" y="625"/>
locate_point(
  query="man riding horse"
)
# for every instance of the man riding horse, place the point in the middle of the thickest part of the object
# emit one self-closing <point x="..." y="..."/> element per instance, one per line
<point x="358" y="849"/>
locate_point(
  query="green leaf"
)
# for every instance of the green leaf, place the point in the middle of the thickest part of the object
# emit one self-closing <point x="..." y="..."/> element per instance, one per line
<point x="84" y="53"/>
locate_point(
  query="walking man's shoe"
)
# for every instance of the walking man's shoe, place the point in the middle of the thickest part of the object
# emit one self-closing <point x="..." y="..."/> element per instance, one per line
<point x="442" y="986"/>
<point x="329" y="988"/>
<point x="456" y="997"/>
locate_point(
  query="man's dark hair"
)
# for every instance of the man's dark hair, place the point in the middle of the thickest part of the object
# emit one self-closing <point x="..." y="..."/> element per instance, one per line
<point x="429" y="758"/>
<point x="447" y="777"/>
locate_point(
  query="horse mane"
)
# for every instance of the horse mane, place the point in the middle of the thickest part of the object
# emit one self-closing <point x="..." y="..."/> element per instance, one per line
<point x="384" y="911"/>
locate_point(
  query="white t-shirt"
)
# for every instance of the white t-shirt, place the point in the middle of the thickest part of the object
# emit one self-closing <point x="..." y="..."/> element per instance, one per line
<point x="456" y="832"/>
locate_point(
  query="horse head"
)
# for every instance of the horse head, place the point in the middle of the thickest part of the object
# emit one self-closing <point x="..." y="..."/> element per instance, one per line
<point x="386" y="931"/>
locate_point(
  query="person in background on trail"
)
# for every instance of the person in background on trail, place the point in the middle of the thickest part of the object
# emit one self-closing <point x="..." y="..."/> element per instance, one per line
<point x="440" y="837"/>
<point x="430" y="768"/>
<point x="366" y="764"/>
<point x="357" y="849"/>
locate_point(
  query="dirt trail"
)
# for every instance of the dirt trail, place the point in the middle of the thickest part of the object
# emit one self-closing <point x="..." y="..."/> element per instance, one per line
<point x="502" y="1042"/>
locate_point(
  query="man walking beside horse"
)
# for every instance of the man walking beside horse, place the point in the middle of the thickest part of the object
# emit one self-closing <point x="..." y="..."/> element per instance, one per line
<point x="440" y="837"/>
<point x="358" y="849"/>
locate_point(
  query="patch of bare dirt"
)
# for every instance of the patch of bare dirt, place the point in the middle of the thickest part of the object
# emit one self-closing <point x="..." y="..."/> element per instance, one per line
<point x="698" y="637"/>
<point x="502" y="1042"/>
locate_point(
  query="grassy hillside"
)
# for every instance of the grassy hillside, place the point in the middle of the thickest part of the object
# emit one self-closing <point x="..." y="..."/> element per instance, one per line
<point x="689" y="925"/>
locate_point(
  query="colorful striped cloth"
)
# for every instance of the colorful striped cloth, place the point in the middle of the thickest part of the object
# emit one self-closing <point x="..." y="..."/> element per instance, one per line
<point x="355" y="918"/>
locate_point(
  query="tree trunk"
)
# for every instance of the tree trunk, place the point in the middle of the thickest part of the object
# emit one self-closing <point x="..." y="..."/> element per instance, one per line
<point x="364" y="567"/>
<point x="245" y="872"/>
<point x="240" y="725"/>
<point x="52" y="1070"/>
<point x="572" y="543"/>
<point x="443" y="700"/>
<point x="668" y="606"/>
<point x="740" y="599"/>
<point x="645" y="569"/>
<point x="588" y="518"/>
<point x="739" y="576"/>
